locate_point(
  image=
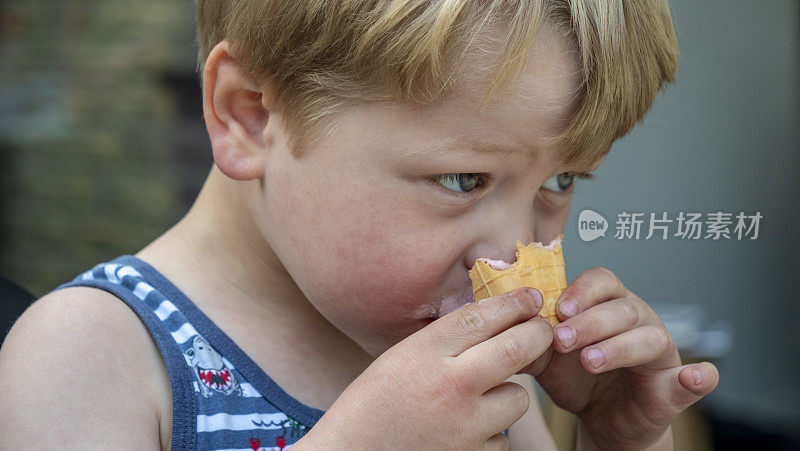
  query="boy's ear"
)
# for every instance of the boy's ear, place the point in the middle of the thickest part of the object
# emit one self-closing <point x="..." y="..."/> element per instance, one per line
<point x="236" y="113"/>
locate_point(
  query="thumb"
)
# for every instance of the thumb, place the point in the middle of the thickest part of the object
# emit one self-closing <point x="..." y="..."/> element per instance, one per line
<point x="692" y="383"/>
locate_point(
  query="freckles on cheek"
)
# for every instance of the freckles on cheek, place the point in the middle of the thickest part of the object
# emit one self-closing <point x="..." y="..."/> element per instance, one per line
<point x="364" y="263"/>
<point x="387" y="262"/>
<point x="375" y="260"/>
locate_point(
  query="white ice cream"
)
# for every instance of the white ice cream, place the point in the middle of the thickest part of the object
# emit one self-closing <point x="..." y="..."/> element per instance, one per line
<point x="496" y="264"/>
<point x="500" y="264"/>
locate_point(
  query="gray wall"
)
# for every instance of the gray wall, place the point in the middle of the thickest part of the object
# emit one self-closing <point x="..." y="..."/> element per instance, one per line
<point x="724" y="137"/>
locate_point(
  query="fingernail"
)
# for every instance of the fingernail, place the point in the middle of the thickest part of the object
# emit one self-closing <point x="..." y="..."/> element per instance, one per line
<point x="568" y="307"/>
<point x="698" y="377"/>
<point x="596" y="357"/>
<point x="537" y="297"/>
<point x="566" y="336"/>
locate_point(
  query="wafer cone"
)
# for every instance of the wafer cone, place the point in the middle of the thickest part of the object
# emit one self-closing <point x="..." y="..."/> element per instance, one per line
<point x="537" y="266"/>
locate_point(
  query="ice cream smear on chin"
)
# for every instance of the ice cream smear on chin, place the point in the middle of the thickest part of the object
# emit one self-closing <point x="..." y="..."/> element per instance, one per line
<point x="454" y="302"/>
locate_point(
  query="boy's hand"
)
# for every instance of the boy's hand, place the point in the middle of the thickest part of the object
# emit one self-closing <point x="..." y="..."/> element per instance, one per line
<point x="632" y="385"/>
<point x="445" y="385"/>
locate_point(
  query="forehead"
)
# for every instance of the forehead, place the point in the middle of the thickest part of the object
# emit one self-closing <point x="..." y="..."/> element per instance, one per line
<point x="535" y="106"/>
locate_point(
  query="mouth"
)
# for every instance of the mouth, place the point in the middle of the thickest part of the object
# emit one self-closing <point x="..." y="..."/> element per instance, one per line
<point x="452" y="303"/>
<point x="459" y="295"/>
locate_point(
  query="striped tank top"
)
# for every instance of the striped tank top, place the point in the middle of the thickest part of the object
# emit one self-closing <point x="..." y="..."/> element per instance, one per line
<point x="220" y="398"/>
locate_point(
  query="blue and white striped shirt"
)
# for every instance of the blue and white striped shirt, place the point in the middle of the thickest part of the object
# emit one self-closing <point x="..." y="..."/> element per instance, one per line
<point x="220" y="398"/>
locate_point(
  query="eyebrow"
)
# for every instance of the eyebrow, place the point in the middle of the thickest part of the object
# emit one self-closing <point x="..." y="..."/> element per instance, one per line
<point x="583" y="175"/>
<point x="497" y="149"/>
<point x="492" y="148"/>
<point x="489" y="148"/>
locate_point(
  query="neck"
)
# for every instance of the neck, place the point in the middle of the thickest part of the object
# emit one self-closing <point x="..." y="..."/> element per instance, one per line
<point x="217" y="256"/>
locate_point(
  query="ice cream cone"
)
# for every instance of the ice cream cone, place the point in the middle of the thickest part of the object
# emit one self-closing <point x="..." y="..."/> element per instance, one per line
<point x="538" y="266"/>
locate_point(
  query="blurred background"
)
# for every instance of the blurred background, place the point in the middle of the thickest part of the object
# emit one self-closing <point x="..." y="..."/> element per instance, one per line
<point x="103" y="147"/>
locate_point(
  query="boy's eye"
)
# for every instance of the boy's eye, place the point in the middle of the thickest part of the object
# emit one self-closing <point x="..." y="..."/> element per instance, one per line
<point x="459" y="183"/>
<point x="559" y="183"/>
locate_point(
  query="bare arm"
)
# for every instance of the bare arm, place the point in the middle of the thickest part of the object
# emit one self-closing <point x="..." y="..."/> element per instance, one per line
<point x="529" y="432"/>
<point x="80" y="373"/>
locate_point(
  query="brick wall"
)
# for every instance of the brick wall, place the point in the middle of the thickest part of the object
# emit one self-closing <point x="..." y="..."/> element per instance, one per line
<point x="102" y="143"/>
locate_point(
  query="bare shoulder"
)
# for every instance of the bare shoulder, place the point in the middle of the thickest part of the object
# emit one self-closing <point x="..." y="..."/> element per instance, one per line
<point x="86" y="372"/>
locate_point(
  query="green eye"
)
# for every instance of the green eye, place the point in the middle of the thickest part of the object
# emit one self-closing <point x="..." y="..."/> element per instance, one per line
<point x="559" y="183"/>
<point x="459" y="183"/>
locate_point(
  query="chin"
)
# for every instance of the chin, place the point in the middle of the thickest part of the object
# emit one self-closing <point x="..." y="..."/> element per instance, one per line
<point x="383" y="343"/>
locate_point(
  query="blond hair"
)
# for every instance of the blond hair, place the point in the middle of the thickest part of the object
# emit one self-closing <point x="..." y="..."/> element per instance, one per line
<point x="327" y="54"/>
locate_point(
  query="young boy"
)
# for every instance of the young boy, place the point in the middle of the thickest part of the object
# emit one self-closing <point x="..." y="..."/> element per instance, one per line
<point x="317" y="294"/>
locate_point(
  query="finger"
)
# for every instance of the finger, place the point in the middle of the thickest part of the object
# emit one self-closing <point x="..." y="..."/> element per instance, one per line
<point x="501" y="406"/>
<point x="696" y="381"/>
<point x="591" y="287"/>
<point x="648" y="346"/>
<point x="684" y="386"/>
<point x="599" y="323"/>
<point x="497" y="442"/>
<point x="539" y="365"/>
<point x="463" y="328"/>
<point x="491" y="362"/>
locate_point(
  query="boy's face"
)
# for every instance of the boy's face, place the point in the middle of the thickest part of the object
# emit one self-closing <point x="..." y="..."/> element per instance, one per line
<point x="381" y="250"/>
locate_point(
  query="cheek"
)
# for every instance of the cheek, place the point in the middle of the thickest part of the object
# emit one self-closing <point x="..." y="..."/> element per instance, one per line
<point x="366" y="263"/>
<point x="551" y="219"/>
